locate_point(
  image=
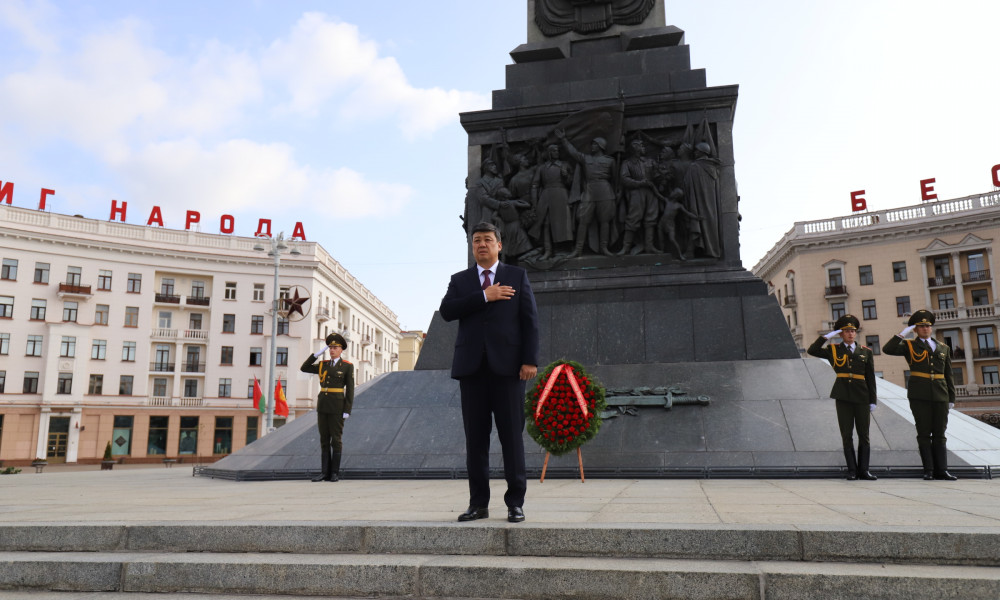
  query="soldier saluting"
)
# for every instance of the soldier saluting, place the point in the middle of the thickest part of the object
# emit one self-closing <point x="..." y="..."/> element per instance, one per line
<point x="854" y="390"/>
<point x="931" y="390"/>
<point x="336" y="397"/>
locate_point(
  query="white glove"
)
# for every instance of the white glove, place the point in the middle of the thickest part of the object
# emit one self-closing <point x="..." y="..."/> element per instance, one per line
<point x="832" y="334"/>
<point x="951" y="405"/>
<point x="346" y="415"/>
<point x="320" y="353"/>
<point x="907" y="331"/>
<point x="871" y="408"/>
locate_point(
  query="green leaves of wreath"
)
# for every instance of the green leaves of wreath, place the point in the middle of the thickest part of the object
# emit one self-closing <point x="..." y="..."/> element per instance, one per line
<point x="562" y="424"/>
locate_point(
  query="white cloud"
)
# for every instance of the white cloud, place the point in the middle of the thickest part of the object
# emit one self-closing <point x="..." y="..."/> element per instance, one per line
<point x="25" y="19"/>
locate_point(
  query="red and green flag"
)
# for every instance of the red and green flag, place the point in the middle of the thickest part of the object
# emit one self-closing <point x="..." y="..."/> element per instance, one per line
<point x="259" y="401"/>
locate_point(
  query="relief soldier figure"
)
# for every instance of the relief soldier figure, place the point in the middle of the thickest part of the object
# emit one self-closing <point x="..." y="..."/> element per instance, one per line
<point x="598" y="197"/>
<point x="641" y="201"/>
<point x="550" y="197"/>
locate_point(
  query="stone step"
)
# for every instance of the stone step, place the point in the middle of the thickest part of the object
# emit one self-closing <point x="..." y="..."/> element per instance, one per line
<point x="954" y="546"/>
<point x="450" y="576"/>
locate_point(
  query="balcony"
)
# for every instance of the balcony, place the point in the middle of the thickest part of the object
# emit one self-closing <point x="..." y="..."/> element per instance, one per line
<point x="193" y="367"/>
<point x="161" y="367"/>
<point x="987" y="353"/>
<point x="163" y="334"/>
<point x="983" y="311"/>
<point x="974" y="390"/>
<point x="197" y="300"/>
<point x="73" y="290"/>
<point x="196" y="335"/>
<point x="789" y="302"/>
<point x="322" y="314"/>
<point x="976" y="276"/>
<point x="167" y="299"/>
<point x="191" y="402"/>
<point x="367" y="341"/>
<point x="836" y="291"/>
<point x="941" y="281"/>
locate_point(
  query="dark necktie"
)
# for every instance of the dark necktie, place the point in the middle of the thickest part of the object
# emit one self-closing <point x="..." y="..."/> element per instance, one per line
<point x="486" y="279"/>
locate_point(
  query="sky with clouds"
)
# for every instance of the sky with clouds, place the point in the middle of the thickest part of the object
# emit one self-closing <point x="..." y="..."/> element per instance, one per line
<point x="344" y="115"/>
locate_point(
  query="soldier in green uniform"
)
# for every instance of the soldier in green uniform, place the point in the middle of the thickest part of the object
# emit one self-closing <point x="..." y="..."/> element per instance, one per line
<point x="854" y="390"/>
<point x="931" y="390"/>
<point x="336" y="397"/>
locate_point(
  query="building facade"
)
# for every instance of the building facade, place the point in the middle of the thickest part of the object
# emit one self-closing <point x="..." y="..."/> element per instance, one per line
<point x="151" y="338"/>
<point x="410" y="344"/>
<point x="881" y="266"/>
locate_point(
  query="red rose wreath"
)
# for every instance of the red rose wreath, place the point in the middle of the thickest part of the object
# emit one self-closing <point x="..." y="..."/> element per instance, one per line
<point x="563" y="409"/>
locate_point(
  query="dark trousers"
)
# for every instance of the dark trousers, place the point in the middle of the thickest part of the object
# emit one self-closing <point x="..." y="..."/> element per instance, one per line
<point x="931" y="419"/>
<point x="331" y="427"/>
<point x="486" y="397"/>
<point x="852" y="416"/>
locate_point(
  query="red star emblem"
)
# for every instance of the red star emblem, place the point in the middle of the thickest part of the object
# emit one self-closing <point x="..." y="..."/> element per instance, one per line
<point x="294" y="304"/>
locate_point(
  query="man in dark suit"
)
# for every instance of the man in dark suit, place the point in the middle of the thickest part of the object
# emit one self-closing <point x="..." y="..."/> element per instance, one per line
<point x="336" y="398"/>
<point x="931" y="390"/>
<point x="496" y="352"/>
<point x="854" y="390"/>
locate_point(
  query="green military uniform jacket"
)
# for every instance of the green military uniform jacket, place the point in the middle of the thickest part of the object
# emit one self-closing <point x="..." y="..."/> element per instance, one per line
<point x="336" y="383"/>
<point x="855" y="371"/>
<point x="931" y="379"/>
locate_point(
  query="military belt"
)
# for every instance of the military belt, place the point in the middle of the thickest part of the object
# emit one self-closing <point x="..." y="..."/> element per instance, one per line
<point x="851" y="375"/>
<point x="927" y="375"/>
<point x="332" y="390"/>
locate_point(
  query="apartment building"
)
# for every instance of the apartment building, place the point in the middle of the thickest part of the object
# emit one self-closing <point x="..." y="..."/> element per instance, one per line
<point x="151" y="338"/>
<point x="881" y="266"/>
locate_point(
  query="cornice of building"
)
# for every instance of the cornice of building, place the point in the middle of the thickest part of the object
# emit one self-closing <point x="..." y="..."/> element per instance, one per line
<point x="932" y="218"/>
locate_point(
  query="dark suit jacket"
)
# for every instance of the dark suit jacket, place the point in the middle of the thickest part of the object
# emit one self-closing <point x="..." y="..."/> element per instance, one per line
<point x="340" y="376"/>
<point x="856" y="377"/>
<point x="506" y="331"/>
<point x="931" y="378"/>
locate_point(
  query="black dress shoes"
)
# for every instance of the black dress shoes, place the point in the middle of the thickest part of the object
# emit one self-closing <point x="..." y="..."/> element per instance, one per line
<point x="473" y="513"/>
<point x="320" y="477"/>
<point x="515" y="514"/>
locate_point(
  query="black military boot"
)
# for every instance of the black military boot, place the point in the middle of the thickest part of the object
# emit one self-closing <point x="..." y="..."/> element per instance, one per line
<point x="864" y="457"/>
<point x="852" y="463"/>
<point x="324" y="474"/>
<point x="940" y="454"/>
<point x="927" y="460"/>
<point x="335" y="467"/>
<point x="627" y="244"/>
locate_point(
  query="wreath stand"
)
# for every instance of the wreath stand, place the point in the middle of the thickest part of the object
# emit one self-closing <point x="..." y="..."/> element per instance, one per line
<point x="579" y="458"/>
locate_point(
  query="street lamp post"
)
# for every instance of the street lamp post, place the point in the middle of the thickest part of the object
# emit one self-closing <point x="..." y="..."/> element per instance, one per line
<point x="277" y="246"/>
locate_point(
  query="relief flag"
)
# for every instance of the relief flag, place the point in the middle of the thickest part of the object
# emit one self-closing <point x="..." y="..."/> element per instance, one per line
<point x="259" y="401"/>
<point x="280" y="403"/>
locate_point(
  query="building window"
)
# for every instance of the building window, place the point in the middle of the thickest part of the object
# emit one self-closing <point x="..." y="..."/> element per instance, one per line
<point x="37" y="309"/>
<point x="197" y="289"/>
<point x="4" y="343"/>
<point x="985" y="339"/>
<point x="872" y="342"/>
<point x="134" y="285"/>
<point x="128" y="351"/>
<point x="980" y="297"/>
<point x="41" y="272"/>
<point x="865" y="274"/>
<point x="902" y="306"/>
<point x="131" y="316"/>
<point x="189" y="436"/>
<point x="958" y="375"/>
<point x="70" y="310"/>
<point x="9" y="270"/>
<point x="223" y="435"/>
<point x="258" y="292"/>
<point x="165" y="318"/>
<point x="30" y="382"/>
<point x="991" y="375"/>
<point x="257" y="324"/>
<point x="899" y="271"/>
<point x="167" y="286"/>
<point x="101" y="314"/>
<point x="159" y="386"/>
<point x="73" y="275"/>
<point x="194" y="323"/>
<point x="282" y="326"/>
<point x="837" y="310"/>
<point x="3" y="386"/>
<point x="252" y="425"/>
<point x="125" y="385"/>
<point x="157" y="444"/>
<point x="190" y="388"/>
<point x="65" y="383"/>
<point x="281" y="357"/>
<point x="104" y="280"/>
<point x="99" y="349"/>
<point x="225" y="387"/>
<point x="34" y="347"/>
<point x="230" y="290"/>
<point x="945" y="301"/>
<point x="250" y="387"/>
<point x="228" y="323"/>
<point x="96" y="385"/>
<point x="6" y="306"/>
<point x="868" y="311"/>
<point x="67" y="347"/>
<point x="942" y="270"/>
<point x="227" y="355"/>
<point x="256" y="357"/>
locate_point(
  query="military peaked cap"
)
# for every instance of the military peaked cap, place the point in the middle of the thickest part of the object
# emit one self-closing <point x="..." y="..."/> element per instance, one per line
<point x="922" y="317"/>
<point x="847" y="322"/>
<point x="336" y="339"/>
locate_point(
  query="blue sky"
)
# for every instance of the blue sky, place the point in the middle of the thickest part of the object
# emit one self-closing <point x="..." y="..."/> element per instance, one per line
<point x="344" y="115"/>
